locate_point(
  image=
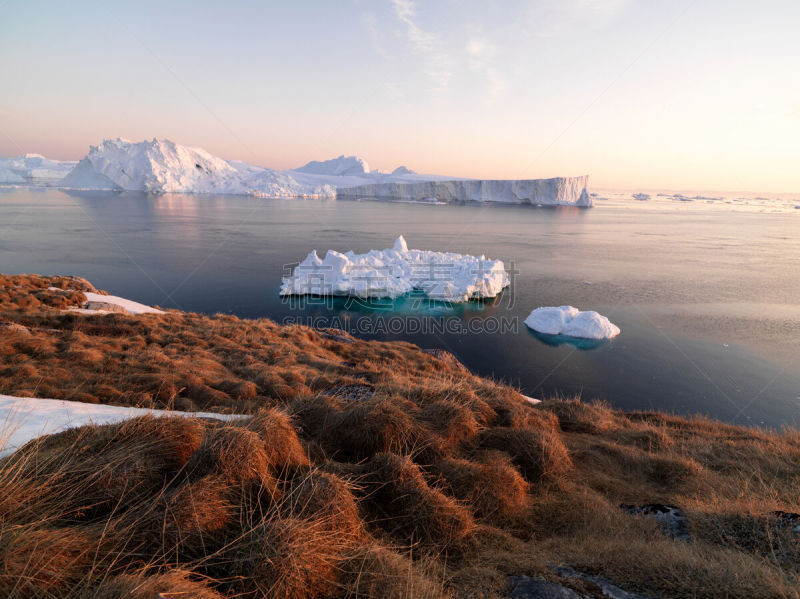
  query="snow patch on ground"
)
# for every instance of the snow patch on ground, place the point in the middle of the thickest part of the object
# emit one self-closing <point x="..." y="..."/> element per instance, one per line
<point x="23" y="419"/>
<point x="571" y="322"/>
<point x="398" y="271"/>
<point x="129" y="305"/>
<point x="98" y="299"/>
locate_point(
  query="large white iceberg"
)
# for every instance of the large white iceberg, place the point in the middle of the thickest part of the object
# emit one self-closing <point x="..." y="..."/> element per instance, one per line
<point x="397" y="271"/>
<point x="162" y="166"/>
<point x="571" y="322"/>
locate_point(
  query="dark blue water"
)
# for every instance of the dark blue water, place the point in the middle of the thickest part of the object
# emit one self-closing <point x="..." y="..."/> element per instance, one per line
<point x="706" y="299"/>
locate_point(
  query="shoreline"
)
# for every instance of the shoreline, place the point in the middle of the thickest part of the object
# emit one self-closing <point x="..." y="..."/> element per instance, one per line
<point x="362" y="468"/>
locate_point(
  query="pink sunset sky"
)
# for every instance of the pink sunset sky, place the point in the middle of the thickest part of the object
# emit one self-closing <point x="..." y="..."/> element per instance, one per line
<point x="674" y="95"/>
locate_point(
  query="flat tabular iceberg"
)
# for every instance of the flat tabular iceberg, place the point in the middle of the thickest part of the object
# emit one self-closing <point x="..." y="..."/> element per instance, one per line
<point x="571" y="322"/>
<point x="397" y="271"/>
<point x="558" y="191"/>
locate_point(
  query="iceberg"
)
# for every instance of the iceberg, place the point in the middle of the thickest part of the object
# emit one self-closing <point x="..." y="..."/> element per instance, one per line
<point x="33" y="169"/>
<point x="343" y="165"/>
<point x="403" y="170"/>
<point x="571" y="322"/>
<point x="8" y="176"/>
<point x="397" y="271"/>
<point x="162" y="166"/>
<point x="558" y="191"/>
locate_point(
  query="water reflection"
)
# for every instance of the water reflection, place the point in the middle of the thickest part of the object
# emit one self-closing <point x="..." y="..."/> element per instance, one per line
<point x="415" y="303"/>
<point x="576" y="342"/>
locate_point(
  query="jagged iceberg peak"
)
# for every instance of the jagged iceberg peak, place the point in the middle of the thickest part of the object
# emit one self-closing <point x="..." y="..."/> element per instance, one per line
<point x="343" y="165"/>
<point x="400" y="245"/>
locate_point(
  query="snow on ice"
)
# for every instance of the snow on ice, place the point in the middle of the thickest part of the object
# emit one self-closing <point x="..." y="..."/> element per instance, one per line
<point x="571" y="322"/>
<point x="394" y="272"/>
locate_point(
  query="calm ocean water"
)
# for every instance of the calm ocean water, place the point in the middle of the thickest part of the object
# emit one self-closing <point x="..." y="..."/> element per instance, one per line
<point x="707" y="297"/>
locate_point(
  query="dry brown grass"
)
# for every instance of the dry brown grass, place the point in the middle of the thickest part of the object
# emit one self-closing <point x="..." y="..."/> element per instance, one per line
<point x="174" y="583"/>
<point x="426" y="482"/>
<point x="377" y="572"/>
<point x="489" y="483"/>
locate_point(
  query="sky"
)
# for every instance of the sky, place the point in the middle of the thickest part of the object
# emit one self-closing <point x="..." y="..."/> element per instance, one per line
<point x="686" y="94"/>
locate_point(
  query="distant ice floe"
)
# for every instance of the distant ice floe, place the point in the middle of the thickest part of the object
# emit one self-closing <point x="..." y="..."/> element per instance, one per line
<point x="642" y="197"/>
<point x="391" y="273"/>
<point x="571" y="322"/>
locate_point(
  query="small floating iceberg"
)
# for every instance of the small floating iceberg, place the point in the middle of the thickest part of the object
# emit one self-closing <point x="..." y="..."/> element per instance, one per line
<point x="391" y="273"/>
<point x="571" y="322"/>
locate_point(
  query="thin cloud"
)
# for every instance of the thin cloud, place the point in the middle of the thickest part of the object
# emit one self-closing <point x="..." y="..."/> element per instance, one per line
<point x="481" y="57"/>
<point x="369" y="23"/>
<point x="427" y="45"/>
<point x="551" y="19"/>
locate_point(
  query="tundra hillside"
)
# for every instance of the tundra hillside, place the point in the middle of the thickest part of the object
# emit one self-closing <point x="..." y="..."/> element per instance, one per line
<point x="363" y="469"/>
